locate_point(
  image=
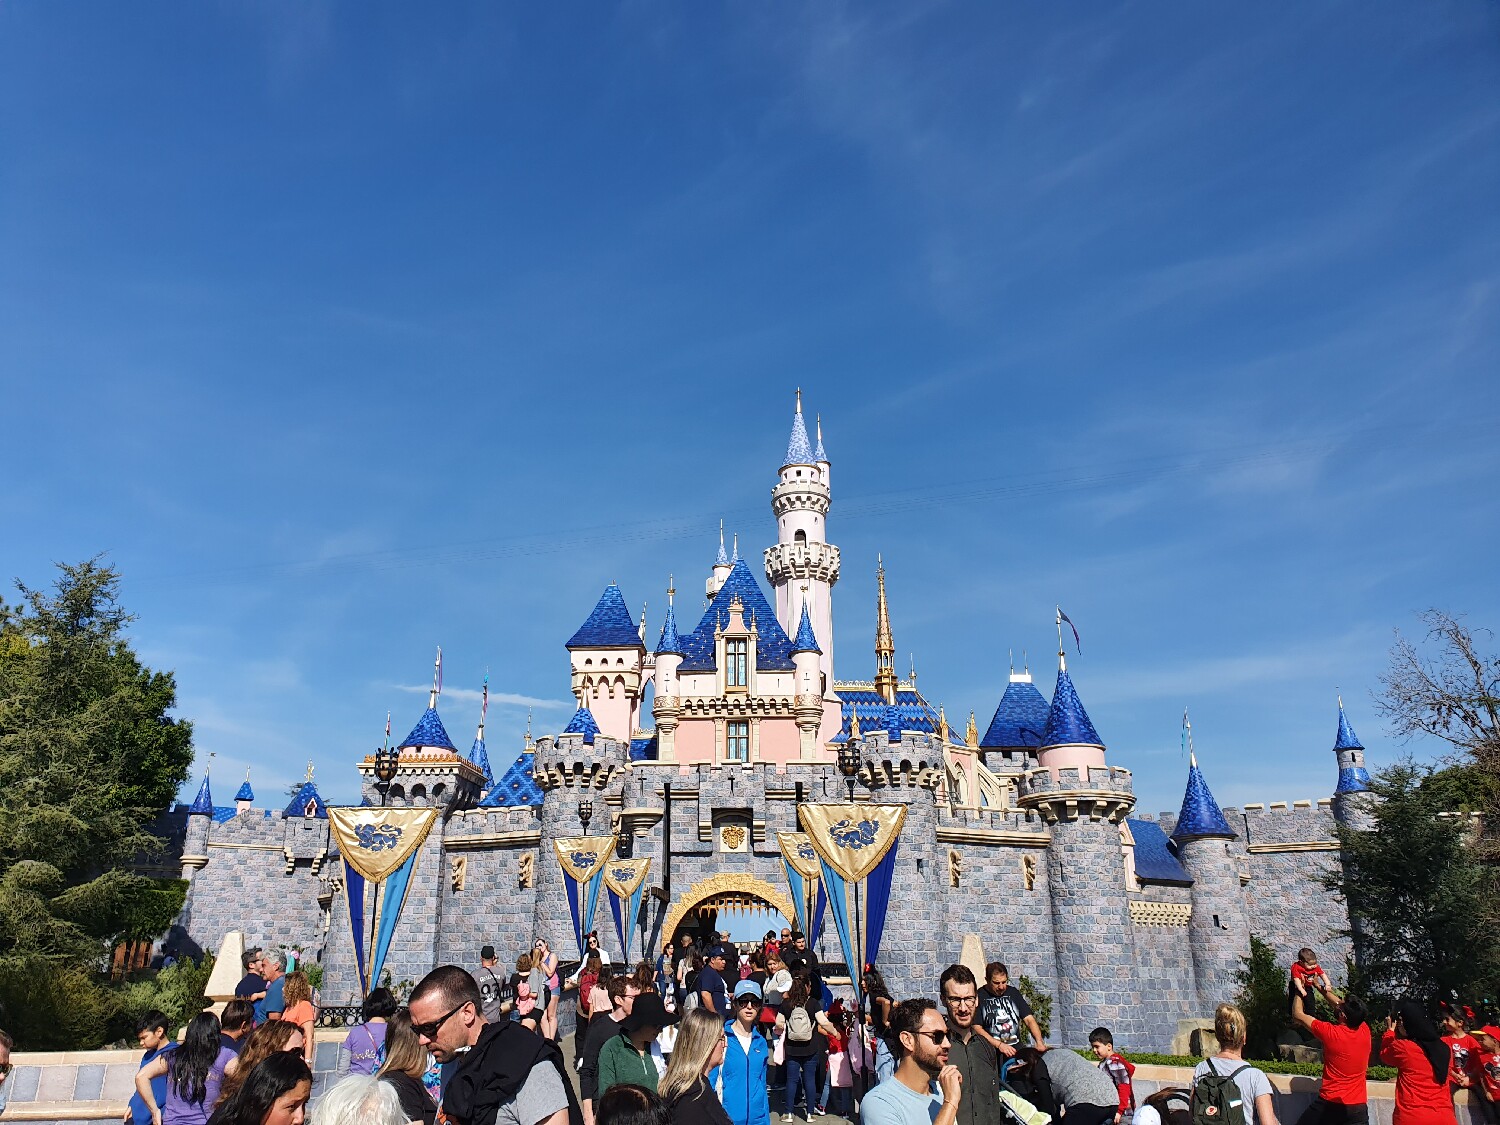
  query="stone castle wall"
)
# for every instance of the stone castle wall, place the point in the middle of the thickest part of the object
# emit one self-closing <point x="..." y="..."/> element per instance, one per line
<point x="1125" y="956"/>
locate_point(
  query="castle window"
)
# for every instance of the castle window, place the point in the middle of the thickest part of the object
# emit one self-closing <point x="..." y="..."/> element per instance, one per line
<point x="737" y="662"/>
<point x="800" y="538"/>
<point x="737" y="742"/>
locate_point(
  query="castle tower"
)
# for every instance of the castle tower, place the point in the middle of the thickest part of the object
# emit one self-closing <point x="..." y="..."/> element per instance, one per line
<point x="803" y="566"/>
<point x="809" y="693"/>
<point x="667" y="706"/>
<point x="885" y="644"/>
<point x="1350" y="798"/>
<point x="1016" y="729"/>
<point x="429" y="768"/>
<point x="607" y="657"/>
<point x="479" y="755"/>
<point x="1083" y="801"/>
<point x="1218" y="930"/>
<point x="195" y="844"/>
<point x="245" y="797"/>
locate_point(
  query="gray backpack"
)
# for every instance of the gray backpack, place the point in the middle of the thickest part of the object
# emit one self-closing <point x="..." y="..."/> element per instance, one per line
<point x="799" y="1026"/>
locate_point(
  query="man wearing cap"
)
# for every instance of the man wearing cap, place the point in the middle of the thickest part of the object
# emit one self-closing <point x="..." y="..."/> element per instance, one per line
<point x="627" y="1058"/>
<point x="713" y="993"/>
<point x="741" y="1082"/>
<point x="490" y="990"/>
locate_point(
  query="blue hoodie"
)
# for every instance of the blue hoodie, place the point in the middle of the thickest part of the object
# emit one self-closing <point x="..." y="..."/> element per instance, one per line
<point x="741" y="1080"/>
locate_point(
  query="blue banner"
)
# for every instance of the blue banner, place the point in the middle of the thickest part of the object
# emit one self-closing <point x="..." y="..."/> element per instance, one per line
<point x="388" y="911"/>
<point x="354" y="893"/>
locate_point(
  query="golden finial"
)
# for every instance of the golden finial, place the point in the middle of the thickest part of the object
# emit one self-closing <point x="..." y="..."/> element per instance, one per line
<point x="309" y="776"/>
<point x="971" y="736"/>
<point x="853" y="722"/>
<point x="885" y="645"/>
<point x="942" y="725"/>
<point x="528" y="728"/>
<point x="671" y="589"/>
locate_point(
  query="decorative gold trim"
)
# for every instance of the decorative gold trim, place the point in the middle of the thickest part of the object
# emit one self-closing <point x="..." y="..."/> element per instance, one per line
<point x="239" y="847"/>
<point x="1301" y="846"/>
<point x="726" y="884"/>
<point x="493" y="839"/>
<point x="1144" y="913"/>
<point x="993" y="837"/>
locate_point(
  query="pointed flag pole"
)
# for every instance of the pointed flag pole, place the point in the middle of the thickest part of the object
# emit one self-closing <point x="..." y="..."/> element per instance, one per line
<point x="437" y="680"/>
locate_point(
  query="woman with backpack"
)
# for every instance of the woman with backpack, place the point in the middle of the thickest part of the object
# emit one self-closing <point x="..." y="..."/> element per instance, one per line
<point x="804" y="1030"/>
<point x="1226" y="1089"/>
<point x="363" y="1049"/>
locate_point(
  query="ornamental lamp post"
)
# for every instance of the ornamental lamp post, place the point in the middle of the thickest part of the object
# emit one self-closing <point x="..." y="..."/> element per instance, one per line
<point x="585" y="812"/>
<point x="386" y="760"/>
<point x="849" y="766"/>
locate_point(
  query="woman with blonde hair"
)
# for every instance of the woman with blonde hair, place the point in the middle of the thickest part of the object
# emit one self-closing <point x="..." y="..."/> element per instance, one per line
<point x="701" y="1040"/>
<point x="1231" y="1030"/>
<point x="299" y="1010"/>
<point x="268" y="1039"/>
<point x="405" y="1064"/>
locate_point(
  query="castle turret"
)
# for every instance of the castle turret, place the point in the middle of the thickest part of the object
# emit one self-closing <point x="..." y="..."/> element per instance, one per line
<point x="1084" y="800"/>
<point x="245" y="798"/>
<point x="195" y="843"/>
<point x="809" y="675"/>
<point x="607" y="658"/>
<point x="803" y="559"/>
<point x="1019" y="722"/>
<point x="666" y="708"/>
<point x="721" y="569"/>
<point x="479" y="755"/>
<point x="1218" y="930"/>
<point x="1351" y="798"/>
<point x="429" y="768"/>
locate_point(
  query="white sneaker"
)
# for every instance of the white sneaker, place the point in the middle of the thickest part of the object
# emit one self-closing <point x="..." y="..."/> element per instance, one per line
<point x="786" y="1116"/>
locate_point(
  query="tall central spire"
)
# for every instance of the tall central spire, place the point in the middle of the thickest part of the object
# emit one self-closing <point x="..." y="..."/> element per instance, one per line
<point x="885" y="645"/>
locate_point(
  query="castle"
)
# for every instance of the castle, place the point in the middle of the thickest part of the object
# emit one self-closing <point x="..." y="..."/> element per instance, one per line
<point x="1024" y="835"/>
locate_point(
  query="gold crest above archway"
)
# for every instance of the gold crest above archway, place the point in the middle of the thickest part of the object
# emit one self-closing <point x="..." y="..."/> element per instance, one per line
<point x="727" y="892"/>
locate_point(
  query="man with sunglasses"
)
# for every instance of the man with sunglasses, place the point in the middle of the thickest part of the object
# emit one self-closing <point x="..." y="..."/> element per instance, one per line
<point x="906" y="1097"/>
<point x="974" y="1055"/>
<point x="494" y="1074"/>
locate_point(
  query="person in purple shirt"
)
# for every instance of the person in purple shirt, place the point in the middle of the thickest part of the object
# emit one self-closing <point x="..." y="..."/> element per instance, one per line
<point x="194" y="1074"/>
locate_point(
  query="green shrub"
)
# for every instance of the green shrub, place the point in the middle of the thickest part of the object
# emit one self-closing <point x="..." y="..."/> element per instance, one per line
<point x="1262" y="997"/>
<point x="1270" y="1066"/>
<point x="48" y="1007"/>
<point x="176" y="991"/>
<point x="1041" y="1002"/>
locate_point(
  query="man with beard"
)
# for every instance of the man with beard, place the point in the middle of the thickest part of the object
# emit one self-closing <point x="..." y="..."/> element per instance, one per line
<point x="976" y="1059"/>
<point x="906" y="1098"/>
<point x="494" y="1074"/>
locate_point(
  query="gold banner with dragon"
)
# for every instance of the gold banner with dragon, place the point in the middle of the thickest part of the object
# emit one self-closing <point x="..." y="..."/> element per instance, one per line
<point x="582" y="856"/>
<point x="798" y="851"/>
<point x="377" y="841"/>
<point x="624" y="876"/>
<point x="852" y="839"/>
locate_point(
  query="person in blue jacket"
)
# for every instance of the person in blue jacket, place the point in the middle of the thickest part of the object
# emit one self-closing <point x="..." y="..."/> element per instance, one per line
<point x="151" y="1034"/>
<point x="741" y="1081"/>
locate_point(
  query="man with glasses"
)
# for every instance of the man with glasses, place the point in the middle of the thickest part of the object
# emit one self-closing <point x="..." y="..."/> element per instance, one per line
<point x="501" y="1074"/>
<point x="622" y="993"/>
<point x="976" y="1058"/>
<point x="906" y="1097"/>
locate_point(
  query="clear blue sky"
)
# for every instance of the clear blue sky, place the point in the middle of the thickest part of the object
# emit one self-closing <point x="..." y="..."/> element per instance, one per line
<point x="347" y="330"/>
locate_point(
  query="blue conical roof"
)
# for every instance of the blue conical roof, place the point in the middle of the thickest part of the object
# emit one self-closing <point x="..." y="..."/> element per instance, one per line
<point x="773" y="650"/>
<point x="583" y="723"/>
<point x="609" y="625"/>
<point x="203" y="803"/>
<point x="1200" y="815"/>
<point x="429" y="731"/>
<point x="297" y="806"/>
<point x="799" y="450"/>
<point x="1067" y="722"/>
<point x="1019" y="720"/>
<point x="1347" y="739"/>
<point x="670" y="641"/>
<point x="804" y="640"/>
<point x="481" y="758"/>
<point x="245" y="793"/>
<point x="517" y="786"/>
<point x="818" y="453"/>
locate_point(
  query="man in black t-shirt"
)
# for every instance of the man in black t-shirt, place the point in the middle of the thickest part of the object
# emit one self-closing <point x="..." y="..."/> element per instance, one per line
<point x="713" y="993"/>
<point x="489" y="985"/>
<point x="1003" y="1011"/>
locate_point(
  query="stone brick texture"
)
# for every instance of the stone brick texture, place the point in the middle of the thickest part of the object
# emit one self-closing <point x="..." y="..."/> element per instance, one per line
<point x="1071" y="932"/>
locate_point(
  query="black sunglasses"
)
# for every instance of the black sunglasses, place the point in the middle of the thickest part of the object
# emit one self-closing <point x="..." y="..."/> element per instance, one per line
<point x="430" y="1030"/>
<point x="938" y="1037"/>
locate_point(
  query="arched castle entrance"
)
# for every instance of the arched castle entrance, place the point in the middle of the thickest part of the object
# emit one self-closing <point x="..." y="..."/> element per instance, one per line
<point x="726" y="893"/>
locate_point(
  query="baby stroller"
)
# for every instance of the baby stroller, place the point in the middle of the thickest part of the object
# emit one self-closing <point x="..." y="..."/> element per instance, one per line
<point x="1025" y="1099"/>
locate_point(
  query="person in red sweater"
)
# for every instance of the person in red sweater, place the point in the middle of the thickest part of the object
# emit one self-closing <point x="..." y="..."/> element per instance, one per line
<point x="1342" y="1099"/>
<point x="1412" y="1045"/>
<point x="1120" y="1070"/>
<point x="1489" y="1070"/>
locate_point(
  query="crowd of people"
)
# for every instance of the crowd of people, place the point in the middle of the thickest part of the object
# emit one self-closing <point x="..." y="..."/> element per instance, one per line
<point x="713" y="1034"/>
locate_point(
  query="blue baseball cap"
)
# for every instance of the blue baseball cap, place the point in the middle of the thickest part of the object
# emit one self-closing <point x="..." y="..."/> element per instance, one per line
<point x="747" y="987"/>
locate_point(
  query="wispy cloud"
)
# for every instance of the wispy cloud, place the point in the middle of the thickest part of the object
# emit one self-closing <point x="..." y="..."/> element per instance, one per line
<point x="470" y="695"/>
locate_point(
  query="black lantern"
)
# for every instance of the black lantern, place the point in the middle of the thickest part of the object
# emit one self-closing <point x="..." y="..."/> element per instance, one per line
<point x="849" y="764"/>
<point x="385" y="770"/>
<point x="585" y="812"/>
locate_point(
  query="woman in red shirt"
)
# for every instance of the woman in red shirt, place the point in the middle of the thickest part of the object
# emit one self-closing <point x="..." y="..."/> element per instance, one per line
<point x="1411" y="1045"/>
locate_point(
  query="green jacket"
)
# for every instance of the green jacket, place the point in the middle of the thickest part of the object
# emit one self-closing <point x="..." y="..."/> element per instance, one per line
<point x="619" y="1062"/>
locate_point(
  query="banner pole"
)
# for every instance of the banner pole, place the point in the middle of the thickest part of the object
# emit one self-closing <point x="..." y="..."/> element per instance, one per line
<point x="370" y="983"/>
